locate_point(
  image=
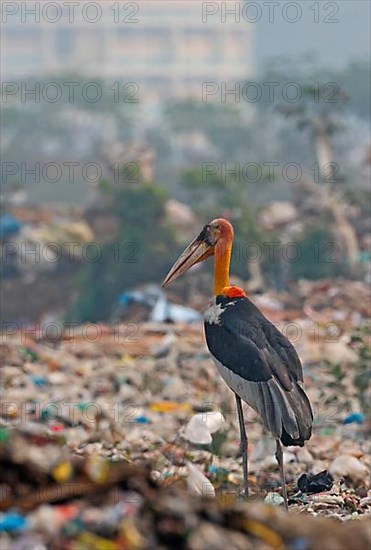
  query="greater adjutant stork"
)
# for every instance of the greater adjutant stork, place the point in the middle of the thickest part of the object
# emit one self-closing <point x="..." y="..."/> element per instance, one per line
<point x="253" y="357"/>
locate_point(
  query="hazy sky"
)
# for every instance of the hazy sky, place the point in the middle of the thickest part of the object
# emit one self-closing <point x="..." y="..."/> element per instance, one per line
<point x="333" y="43"/>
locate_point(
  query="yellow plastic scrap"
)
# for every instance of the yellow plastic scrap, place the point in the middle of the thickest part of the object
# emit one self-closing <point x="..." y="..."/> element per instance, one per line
<point x="170" y="407"/>
<point x="89" y="541"/>
<point x="62" y="472"/>
<point x="130" y="536"/>
<point x="97" y="469"/>
<point x="264" y="533"/>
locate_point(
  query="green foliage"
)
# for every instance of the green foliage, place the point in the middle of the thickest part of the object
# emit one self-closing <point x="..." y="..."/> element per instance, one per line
<point x="223" y="124"/>
<point x="209" y="191"/>
<point x="355" y="81"/>
<point x="217" y="443"/>
<point x="319" y="256"/>
<point x="137" y="254"/>
<point x="191" y="115"/>
<point x="216" y="196"/>
<point x="362" y="368"/>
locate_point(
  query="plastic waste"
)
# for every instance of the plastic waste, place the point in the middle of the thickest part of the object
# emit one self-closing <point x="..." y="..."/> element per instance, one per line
<point x="315" y="483"/>
<point x="197" y="432"/>
<point x="164" y="311"/>
<point x="198" y="483"/>
<point x="9" y="226"/>
<point x="170" y="407"/>
<point x="274" y="499"/>
<point x="142" y="420"/>
<point x="354" y="418"/>
<point x="12" y="521"/>
<point x="39" y="381"/>
<point x="62" y="472"/>
<point x="161" y="309"/>
<point x="201" y="426"/>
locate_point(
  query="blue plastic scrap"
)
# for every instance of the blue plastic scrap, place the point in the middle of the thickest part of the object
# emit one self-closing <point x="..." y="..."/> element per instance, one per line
<point x="354" y="418"/>
<point x="12" y="521"/>
<point x="8" y="226"/>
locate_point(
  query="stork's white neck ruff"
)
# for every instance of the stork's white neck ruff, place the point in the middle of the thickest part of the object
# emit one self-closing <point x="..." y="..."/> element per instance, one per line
<point x="213" y="313"/>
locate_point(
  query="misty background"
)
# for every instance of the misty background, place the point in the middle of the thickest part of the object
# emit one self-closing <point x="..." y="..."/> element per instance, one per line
<point x="99" y="196"/>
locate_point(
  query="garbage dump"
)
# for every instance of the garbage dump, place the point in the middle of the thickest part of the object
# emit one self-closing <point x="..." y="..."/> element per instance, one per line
<point x="124" y="436"/>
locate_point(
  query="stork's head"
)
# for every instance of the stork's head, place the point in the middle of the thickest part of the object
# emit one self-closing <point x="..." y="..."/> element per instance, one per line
<point x="215" y="235"/>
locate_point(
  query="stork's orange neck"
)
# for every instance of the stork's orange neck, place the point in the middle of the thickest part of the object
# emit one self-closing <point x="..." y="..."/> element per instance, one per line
<point x="222" y="260"/>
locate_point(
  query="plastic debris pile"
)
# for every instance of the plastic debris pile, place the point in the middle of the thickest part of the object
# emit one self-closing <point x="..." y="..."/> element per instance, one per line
<point x="94" y="503"/>
<point x="126" y="437"/>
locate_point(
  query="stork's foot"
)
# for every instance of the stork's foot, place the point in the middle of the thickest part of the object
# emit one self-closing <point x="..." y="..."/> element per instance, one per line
<point x="279" y="458"/>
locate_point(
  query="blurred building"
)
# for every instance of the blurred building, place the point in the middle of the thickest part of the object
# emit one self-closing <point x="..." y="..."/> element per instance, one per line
<point x="167" y="48"/>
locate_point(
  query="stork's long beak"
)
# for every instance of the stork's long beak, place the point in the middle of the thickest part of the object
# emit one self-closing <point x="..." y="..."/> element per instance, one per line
<point x="196" y="252"/>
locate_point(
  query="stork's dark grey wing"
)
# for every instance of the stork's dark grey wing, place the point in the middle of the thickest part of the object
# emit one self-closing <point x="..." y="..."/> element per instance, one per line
<point x="261" y="366"/>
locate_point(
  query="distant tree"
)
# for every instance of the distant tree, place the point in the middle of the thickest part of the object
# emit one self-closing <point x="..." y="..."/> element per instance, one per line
<point x="74" y="127"/>
<point x="225" y="125"/>
<point x="138" y="253"/>
<point x="217" y="196"/>
<point x="328" y="264"/>
<point x="317" y="112"/>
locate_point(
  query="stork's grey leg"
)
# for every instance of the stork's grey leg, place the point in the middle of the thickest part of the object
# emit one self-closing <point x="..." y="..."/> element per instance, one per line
<point x="279" y="457"/>
<point x="243" y="445"/>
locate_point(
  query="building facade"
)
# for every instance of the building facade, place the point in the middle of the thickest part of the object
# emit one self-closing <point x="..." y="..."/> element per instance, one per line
<point x="167" y="47"/>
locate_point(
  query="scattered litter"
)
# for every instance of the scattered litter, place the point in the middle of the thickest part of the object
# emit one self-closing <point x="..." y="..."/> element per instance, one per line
<point x="9" y="226"/>
<point x="274" y="499"/>
<point x="202" y="425"/>
<point x="160" y="310"/>
<point x="170" y="407"/>
<point x="197" y="432"/>
<point x="354" y="418"/>
<point x="198" y="482"/>
<point x="93" y="430"/>
<point x="315" y="483"/>
<point x="349" y="466"/>
<point x="12" y="521"/>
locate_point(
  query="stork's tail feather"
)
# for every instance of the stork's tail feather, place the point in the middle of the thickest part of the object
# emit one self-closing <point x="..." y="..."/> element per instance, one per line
<point x="293" y="426"/>
<point x="285" y="412"/>
<point x="287" y="440"/>
<point x="300" y="405"/>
